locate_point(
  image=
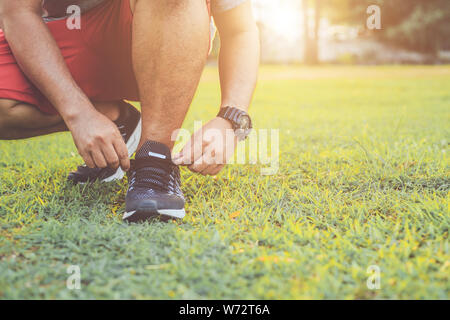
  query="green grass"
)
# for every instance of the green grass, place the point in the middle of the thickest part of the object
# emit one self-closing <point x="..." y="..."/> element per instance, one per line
<point x="363" y="180"/>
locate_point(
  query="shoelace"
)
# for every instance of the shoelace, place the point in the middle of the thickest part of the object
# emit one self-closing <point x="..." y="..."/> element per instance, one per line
<point x="150" y="173"/>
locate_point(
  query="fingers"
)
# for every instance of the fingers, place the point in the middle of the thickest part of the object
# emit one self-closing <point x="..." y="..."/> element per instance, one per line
<point x="212" y="170"/>
<point x="208" y="164"/>
<point x="208" y="150"/>
<point x="99" y="159"/>
<point x="122" y="154"/>
<point x="199" y="166"/>
<point x="88" y="160"/>
<point x="191" y="152"/>
<point x="204" y="157"/>
<point x="211" y="162"/>
<point x="203" y="162"/>
<point x="99" y="142"/>
<point x="111" y="156"/>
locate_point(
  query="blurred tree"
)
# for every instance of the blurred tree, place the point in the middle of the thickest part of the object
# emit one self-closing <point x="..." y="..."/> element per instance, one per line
<point x="311" y="37"/>
<point x="420" y="25"/>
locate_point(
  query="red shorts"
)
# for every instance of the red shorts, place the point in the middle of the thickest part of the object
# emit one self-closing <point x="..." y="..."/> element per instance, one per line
<point x="98" y="57"/>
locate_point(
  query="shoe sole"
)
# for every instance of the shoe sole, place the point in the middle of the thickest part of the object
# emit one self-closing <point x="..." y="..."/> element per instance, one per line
<point x="149" y="211"/>
<point x="132" y="145"/>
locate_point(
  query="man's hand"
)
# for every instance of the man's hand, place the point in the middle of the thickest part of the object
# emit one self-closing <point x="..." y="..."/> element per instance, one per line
<point x="209" y="148"/>
<point x="99" y="141"/>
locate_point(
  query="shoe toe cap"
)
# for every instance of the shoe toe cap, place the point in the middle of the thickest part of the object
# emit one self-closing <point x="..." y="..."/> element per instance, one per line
<point x="152" y="200"/>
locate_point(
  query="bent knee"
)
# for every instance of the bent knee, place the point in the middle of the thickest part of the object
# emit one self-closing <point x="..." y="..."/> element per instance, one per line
<point x="6" y="114"/>
<point x="7" y="108"/>
<point x="8" y="118"/>
<point x="6" y="104"/>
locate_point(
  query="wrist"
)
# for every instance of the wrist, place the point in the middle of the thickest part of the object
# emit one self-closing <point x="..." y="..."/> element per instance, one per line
<point x="74" y="112"/>
<point x="239" y="120"/>
<point x="224" y="123"/>
<point x="72" y="116"/>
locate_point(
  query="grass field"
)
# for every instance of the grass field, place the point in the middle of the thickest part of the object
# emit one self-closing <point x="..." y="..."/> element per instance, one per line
<point x="363" y="180"/>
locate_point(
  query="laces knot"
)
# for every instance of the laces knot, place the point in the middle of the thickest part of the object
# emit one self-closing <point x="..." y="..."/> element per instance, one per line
<point x="150" y="173"/>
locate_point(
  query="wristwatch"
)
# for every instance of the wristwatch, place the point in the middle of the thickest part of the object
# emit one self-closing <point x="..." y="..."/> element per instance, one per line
<point x="239" y="119"/>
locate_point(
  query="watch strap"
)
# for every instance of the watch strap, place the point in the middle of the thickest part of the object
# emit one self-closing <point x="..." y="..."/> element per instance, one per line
<point x="231" y="114"/>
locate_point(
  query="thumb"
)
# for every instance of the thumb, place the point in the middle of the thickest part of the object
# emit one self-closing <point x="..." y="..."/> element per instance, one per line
<point x="191" y="152"/>
<point x="184" y="156"/>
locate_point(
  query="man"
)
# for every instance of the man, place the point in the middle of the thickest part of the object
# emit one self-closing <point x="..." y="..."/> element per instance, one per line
<point x="54" y="78"/>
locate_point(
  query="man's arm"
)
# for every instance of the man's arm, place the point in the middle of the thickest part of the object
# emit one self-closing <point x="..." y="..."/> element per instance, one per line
<point x="238" y="67"/>
<point x="39" y="57"/>
<point x="239" y="55"/>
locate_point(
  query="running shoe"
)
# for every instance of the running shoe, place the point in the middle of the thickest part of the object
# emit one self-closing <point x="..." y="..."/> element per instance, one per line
<point x="154" y="186"/>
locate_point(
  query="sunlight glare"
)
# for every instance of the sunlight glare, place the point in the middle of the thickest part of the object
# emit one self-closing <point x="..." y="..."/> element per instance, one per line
<point x="283" y="18"/>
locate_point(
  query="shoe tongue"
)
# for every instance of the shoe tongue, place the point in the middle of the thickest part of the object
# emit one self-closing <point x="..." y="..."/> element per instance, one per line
<point x="155" y="150"/>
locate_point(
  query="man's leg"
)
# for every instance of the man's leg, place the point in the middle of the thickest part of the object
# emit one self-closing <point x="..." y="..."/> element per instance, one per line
<point x="170" y="45"/>
<point x="19" y="120"/>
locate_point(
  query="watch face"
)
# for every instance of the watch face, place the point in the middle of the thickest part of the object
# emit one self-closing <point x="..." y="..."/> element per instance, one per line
<point x="244" y="127"/>
<point x="244" y="123"/>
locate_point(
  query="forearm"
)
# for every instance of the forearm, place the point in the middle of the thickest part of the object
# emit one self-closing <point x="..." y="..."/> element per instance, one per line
<point x="238" y="67"/>
<point x="41" y="61"/>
